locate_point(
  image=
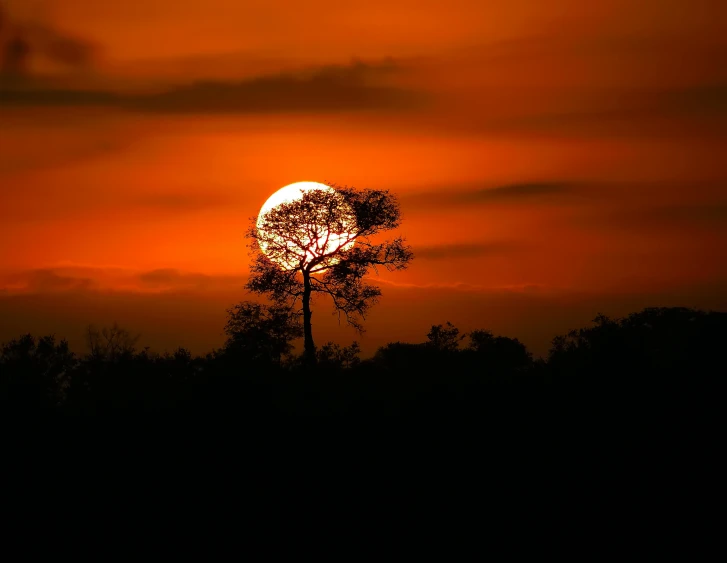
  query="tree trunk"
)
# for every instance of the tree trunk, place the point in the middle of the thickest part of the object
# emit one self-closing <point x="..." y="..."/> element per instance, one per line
<point x="309" y="349"/>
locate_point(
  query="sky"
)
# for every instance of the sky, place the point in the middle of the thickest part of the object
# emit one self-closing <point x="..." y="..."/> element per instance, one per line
<point x="553" y="160"/>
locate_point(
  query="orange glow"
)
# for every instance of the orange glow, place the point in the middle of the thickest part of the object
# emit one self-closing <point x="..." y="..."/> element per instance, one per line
<point x="326" y="242"/>
<point x="573" y="150"/>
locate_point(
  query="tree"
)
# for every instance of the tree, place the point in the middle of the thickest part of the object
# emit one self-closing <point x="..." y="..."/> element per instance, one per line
<point x="110" y="343"/>
<point x="445" y="338"/>
<point x="325" y="242"/>
<point x="261" y="333"/>
<point x="336" y="357"/>
<point x="34" y="371"/>
<point x="655" y="341"/>
<point x="500" y="352"/>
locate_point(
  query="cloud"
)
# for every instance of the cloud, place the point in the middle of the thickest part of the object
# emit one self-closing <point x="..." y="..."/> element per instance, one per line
<point x="21" y="44"/>
<point x="45" y="281"/>
<point x="665" y="217"/>
<point x="704" y="99"/>
<point x="714" y="213"/>
<point x="518" y="191"/>
<point x="512" y="193"/>
<point x="167" y="279"/>
<point x="627" y="112"/>
<point x="574" y="84"/>
<point x="104" y="280"/>
<point x="471" y="250"/>
<point x="31" y="93"/>
<point x="358" y="86"/>
<point x="330" y="88"/>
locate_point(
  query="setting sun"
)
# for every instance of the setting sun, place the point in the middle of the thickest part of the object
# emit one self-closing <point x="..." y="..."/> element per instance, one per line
<point x="325" y="238"/>
<point x="391" y="206"/>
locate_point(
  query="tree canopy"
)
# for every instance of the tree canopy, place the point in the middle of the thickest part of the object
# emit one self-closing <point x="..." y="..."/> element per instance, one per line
<point x="261" y="333"/>
<point x="326" y="242"/>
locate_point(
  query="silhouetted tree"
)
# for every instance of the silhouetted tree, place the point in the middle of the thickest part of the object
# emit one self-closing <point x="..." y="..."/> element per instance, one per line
<point x="324" y="243"/>
<point x="261" y="333"/>
<point x="499" y="353"/>
<point x="110" y="343"/>
<point x="656" y="342"/>
<point x="445" y="338"/>
<point x="334" y="356"/>
<point x="34" y="372"/>
<point x="659" y="364"/>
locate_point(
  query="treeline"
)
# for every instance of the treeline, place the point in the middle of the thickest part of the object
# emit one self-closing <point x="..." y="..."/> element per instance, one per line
<point x="654" y="359"/>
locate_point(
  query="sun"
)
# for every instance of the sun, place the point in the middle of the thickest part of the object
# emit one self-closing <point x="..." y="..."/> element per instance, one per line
<point x="289" y="194"/>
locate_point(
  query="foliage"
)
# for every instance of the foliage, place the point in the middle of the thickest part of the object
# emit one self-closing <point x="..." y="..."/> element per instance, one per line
<point x="670" y="358"/>
<point x="333" y="356"/>
<point x="110" y="343"/>
<point x="445" y="338"/>
<point x="656" y="340"/>
<point x="324" y="243"/>
<point x="261" y="333"/>
<point x="500" y="352"/>
<point x="34" y="371"/>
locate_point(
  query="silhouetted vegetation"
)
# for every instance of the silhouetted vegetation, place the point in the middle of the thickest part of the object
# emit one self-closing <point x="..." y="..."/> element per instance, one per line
<point x="306" y="247"/>
<point x="658" y="358"/>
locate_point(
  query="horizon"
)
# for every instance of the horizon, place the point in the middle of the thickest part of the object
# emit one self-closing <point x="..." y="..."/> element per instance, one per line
<point x="551" y="163"/>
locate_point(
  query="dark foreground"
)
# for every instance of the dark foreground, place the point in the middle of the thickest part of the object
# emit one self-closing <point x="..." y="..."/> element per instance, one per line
<point x="610" y="446"/>
<point x="655" y="365"/>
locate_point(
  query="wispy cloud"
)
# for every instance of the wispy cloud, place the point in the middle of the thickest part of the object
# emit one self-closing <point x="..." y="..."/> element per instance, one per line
<point x="657" y="217"/>
<point x="84" y="279"/>
<point x="174" y="280"/>
<point x="358" y="86"/>
<point x="468" y="195"/>
<point x="22" y="43"/>
<point x="46" y="281"/>
<point x="469" y="250"/>
<point x="331" y="88"/>
<point x="524" y="288"/>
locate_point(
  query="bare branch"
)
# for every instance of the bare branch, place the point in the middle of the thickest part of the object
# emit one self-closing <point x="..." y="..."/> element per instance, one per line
<point x="324" y="237"/>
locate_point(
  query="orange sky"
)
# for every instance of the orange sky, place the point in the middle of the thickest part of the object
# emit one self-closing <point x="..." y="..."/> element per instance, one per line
<point x="552" y="159"/>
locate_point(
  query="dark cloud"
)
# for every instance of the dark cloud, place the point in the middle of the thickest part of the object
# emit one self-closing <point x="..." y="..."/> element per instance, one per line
<point x="592" y="85"/>
<point x="472" y="250"/>
<point x="15" y="55"/>
<point x="46" y="280"/>
<point x="657" y="217"/>
<point x="170" y="277"/>
<point x="331" y="88"/>
<point x="29" y="94"/>
<point x="73" y="279"/>
<point x="713" y="213"/>
<point x="641" y="110"/>
<point x="623" y="112"/>
<point x="358" y="86"/>
<point x="167" y="279"/>
<point x="468" y="195"/>
<point x="705" y="99"/>
<point x="20" y="44"/>
<point x="519" y="191"/>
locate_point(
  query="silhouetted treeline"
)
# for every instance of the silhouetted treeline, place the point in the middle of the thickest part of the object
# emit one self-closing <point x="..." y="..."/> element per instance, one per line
<point x="656" y="359"/>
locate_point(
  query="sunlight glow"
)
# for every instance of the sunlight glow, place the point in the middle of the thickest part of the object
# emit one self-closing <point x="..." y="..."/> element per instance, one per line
<point x="289" y="194"/>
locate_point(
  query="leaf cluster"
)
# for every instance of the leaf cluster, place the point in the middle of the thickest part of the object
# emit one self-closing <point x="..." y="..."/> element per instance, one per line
<point x="327" y="238"/>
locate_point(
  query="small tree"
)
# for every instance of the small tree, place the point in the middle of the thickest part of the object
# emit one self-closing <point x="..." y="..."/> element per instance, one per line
<point x="324" y="242"/>
<point x="500" y="352"/>
<point x="35" y="371"/>
<point x="334" y="356"/>
<point x="261" y="333"/>
<point x="445" y="338"/>
<point x="110" y="343"/>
